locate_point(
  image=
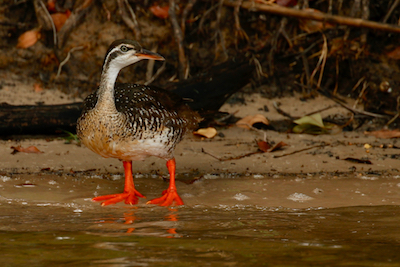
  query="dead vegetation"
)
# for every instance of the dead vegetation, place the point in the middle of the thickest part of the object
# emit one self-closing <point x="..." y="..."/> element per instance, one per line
<point x="313" y="47"/>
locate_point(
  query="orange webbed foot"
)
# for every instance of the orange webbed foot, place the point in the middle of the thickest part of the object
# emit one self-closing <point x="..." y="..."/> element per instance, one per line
<point x="169" y="196"/>
<point x="130" y="198"/>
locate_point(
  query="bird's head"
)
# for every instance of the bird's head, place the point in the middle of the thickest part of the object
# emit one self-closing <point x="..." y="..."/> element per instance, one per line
<point x="122" y="53"/>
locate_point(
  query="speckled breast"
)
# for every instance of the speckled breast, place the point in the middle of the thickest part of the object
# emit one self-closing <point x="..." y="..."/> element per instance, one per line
<point x="114" y="136"/>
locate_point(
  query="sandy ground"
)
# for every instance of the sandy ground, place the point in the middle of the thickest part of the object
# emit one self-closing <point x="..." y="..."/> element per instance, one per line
<point x="292" y="177"/>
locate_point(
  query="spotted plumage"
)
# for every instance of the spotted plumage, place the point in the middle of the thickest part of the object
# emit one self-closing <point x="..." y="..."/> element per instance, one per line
<point x="147" y="122"/>
<point x="130" y="121"/>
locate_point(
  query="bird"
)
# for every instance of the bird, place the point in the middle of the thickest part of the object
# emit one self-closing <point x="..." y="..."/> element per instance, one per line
<point x="132" y="122"/>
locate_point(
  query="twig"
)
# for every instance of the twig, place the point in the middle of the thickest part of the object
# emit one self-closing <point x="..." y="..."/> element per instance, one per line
<point x="53" y="27"/>
<point x="363" y="112"/>
<point x="321" y="63"/>
<point x="205" y="15"/>
<point x="280" y="111"/>
<point x="330" y="7"/>
<point x="239" y="32"/>
<point x="365" y="16"/>
<point x="218" y="32"/>
<point x="232" y="158"/>
<point x="324" y="56"/>
<point x="185" y="13"/>
<point x="291" y="12"/>
<point x="183" y="67"/>
<point x="75" y="18"/>
<point x="129" y="19"/>
<point x="307" y="73"/>
<point x="392" y="8"/>
<point x="319" y="110"/>
<point x="300" y="150"/>
<point x="158" y="72"/>
<point x="365" y="86"/>
<point x="107" y="11"/>
<point x="336" y="75"/>
<point x="150" y="66"/>
<point x="259" y="69"/>
<point x="358" y="83"/>
<point x="67" y="58"/>
<point x="398" y="112"/>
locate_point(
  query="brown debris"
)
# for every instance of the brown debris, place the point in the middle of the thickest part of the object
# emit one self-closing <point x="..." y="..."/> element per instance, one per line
<point x="28" y="38"/>
<point x="248" y="121"/>
<point x="384" y="133"/>
<point x="30" y="149"/>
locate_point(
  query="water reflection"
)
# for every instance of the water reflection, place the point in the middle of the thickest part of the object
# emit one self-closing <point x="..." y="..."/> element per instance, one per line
<point x="130" y="218"/>
<point x="201" y="236"/>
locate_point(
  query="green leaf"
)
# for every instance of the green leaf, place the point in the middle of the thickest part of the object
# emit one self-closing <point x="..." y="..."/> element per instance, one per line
<point x="314" y="119"/>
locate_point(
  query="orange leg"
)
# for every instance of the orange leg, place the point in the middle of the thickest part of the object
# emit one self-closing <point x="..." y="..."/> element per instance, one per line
<point x="170" y="195"/>
<point x="130" y="194"/>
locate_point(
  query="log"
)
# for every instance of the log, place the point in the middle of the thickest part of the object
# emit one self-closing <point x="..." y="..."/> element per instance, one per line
<point x="38" y="119"/>
<point x="206" y="93"/>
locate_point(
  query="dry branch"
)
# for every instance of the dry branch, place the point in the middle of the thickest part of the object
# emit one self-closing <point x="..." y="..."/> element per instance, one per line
<point x="185" y="13"/>
<point x="129" y="17"/>
<point x="183" y="68"/>
<point x="73" y="20"/>
<point x="290" y="12"/>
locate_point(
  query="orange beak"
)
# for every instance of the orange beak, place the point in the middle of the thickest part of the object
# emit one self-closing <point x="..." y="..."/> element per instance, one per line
<point x="146" y="54"/>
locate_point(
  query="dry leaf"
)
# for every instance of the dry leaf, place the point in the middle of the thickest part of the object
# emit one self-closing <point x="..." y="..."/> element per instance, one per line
<point x="209" y="132"/>
<point x="386" y="134"/>
<point x="37" y="87"/>
<point x="30" y="149"/>
<point x="29" y="38"/>
<point x="266" y="147"/>
<point x="249" y="121"/>
<point x="263" y="146"/>
<point x="160" y="12"/>
<point x="59" y="19"/>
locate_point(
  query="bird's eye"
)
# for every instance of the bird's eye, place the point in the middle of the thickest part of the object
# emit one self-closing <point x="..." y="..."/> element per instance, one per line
<point x="124" y="48"/>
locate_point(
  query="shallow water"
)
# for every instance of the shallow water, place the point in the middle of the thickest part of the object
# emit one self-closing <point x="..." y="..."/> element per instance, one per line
<point x="52" y="226"/>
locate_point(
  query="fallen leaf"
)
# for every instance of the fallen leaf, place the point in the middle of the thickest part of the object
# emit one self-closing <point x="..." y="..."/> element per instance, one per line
<point x="160" y="12"/>
<point x="209" y="132"/>
<point x="30" y="149"/>
<point x="263" y="146"/>
<point x="384" y="133"/>
<point x="314" y="119"/>
<point x="59" y="19"/>
<point x="37" y="87"/>
<point x="266" y="147"/>
<point x="314" y="124"/>
<point x="248" y="121"/>
<point x="28" y="38"/>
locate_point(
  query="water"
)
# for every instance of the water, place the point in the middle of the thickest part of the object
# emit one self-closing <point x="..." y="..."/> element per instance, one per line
<point x="72" y="231"/>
